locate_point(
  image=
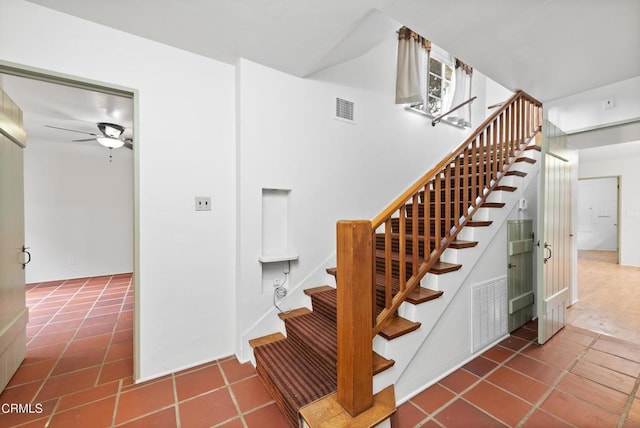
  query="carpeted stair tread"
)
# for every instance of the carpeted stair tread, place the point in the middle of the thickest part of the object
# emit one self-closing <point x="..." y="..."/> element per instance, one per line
<point x="291" y="377"/>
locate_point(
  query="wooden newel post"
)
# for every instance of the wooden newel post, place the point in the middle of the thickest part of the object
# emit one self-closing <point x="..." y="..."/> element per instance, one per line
<point x="355" y="317"/>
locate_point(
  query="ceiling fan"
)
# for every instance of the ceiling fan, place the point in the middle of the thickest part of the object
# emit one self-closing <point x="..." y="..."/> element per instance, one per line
<point x="110" y="135"/>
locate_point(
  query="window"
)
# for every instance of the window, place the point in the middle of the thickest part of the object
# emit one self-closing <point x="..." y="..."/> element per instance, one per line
<point x="432" y="89"/>
<point x="439" y="86"/>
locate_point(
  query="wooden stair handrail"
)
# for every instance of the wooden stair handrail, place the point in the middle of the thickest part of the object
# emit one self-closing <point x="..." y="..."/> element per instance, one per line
<point x="478" y="163"/>
<point x="395" y="205"/>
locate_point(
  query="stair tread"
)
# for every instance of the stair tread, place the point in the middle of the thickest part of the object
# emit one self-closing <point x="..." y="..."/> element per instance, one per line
<point x="421" y="295"/>
<point x="444" y="267"/>
<point x="320" y="289"/>
<point x="533" y="147"/>
<point x="398" y="326"/>
<point x="263" y="340"/>
<point x="479" y="223"/>
<point x="381" y="363"/>
<point x="506" y="188"/>
<point x="516" y="173"/>
<point x="526" y="159"/>
<point x="293" y="313"/>
<point x="492" y="205"/>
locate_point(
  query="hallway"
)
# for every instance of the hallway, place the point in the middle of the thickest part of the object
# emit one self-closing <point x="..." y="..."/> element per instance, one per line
<point x="609" y="296"/>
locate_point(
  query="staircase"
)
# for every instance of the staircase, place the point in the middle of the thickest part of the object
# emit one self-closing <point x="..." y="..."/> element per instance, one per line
<point x="328" y="351"/>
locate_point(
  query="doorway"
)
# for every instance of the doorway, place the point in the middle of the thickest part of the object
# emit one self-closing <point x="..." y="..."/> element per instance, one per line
<point x="598" y="218"/>
<point x="80" y="195"/>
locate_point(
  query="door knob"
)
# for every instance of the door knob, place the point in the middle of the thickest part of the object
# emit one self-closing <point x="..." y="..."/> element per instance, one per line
<point x="511" y="265"/>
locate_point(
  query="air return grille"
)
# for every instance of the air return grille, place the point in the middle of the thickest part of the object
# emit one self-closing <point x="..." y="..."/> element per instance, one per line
<point x="344" y="109"/>
<point x="489" y="312"/>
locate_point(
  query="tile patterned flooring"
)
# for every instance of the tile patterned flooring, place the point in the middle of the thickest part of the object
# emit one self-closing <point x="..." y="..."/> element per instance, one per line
<point x="579" y="378"/>
<point x="79" y="365"/>
<point x="80" y="361"/>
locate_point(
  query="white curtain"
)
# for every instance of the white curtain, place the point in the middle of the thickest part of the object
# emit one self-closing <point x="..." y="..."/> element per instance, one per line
<point x="411" y="84"/>
<point x="461" y="93"/>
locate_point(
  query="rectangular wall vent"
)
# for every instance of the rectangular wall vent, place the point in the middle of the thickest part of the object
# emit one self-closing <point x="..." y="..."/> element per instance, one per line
<point x="489" y="312"/>
<point x="344" y="109"/>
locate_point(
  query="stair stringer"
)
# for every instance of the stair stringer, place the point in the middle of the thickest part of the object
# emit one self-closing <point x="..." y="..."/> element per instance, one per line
<point x="404" y="349"/>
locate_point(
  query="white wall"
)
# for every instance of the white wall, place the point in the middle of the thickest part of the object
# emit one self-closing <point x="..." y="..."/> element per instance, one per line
<point x="599" y="162"/>
<point x="185" y="147"/>
<point x="288" y="139"/>
<point x="584" y="110"/>
<point x="78" y="210"/>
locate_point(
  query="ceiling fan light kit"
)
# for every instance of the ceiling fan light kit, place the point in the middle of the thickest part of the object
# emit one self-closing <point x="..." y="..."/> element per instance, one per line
<point x="110" y="135"/>
<point x="110" y="142"/>
<point x="110" y="129"/>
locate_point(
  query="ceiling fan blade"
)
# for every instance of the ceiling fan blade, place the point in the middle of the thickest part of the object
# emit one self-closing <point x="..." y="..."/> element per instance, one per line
<point x="72" y="130"/>
<point x="128" y="145"/>
<point x="84" y="139"/>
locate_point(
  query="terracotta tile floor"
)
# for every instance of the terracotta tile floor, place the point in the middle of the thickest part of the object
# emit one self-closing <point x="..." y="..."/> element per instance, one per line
<point x="579" y="378"/>
<point x="79" y="365"/>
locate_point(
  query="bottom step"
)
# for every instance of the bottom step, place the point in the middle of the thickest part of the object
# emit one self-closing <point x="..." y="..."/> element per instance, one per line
<point x="327" y="412"/>
<point x="290" y="377"/>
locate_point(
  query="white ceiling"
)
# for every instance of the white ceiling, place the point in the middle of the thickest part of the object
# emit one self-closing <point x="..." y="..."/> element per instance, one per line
<point x="549" y="48"/>
<point x="45" y="103"/>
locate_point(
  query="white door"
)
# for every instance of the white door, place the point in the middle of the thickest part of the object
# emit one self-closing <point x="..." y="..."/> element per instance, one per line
<point x="598" y="214"/>
<point x="13" y="310"/>
<point x="555" y="235"/>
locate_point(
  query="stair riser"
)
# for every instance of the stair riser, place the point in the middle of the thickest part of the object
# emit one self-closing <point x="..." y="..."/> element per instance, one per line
<point x="432" y="210"/>
<point x="395" y="266"/>
<point x="395" y="245"/>
<point x="301" y="333"/>
<point x="301" y="343"/>
<point x="395" y="225"/>
<point x="325" y="308"/>
<point x="290" y="412"/>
